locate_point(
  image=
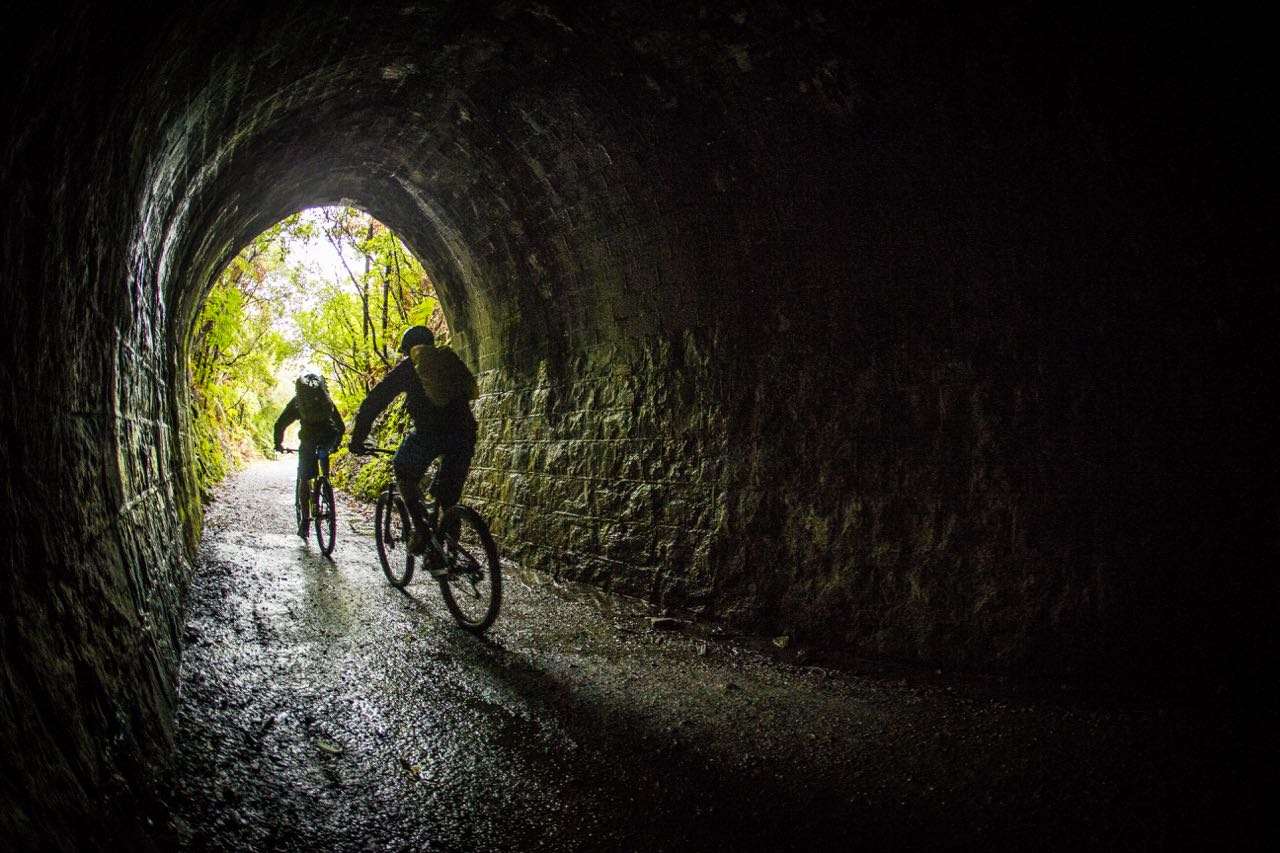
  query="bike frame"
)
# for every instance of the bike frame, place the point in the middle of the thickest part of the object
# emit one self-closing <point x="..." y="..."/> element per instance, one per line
<point x="322" y="456"/>
<point x="436" y="556"/>
<point x="317" y="495"/>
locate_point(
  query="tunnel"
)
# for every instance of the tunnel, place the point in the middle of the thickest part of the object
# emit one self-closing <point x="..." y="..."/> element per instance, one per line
<point x="917" y="332"/>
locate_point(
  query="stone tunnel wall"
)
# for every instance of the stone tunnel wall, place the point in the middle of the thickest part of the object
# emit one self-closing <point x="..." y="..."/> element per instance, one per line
<point x="608" y="470"/>
<point x="898" y="306"/>
<point x="917" y="333"/>
<point x="94" y="552"/>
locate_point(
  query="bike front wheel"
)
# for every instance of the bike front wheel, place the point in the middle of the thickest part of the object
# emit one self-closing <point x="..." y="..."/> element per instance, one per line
<point x="326" y="520"/>
<point x="298" y="503"/>
<point x="472" y="588"/>
<point x="392" y="531"/>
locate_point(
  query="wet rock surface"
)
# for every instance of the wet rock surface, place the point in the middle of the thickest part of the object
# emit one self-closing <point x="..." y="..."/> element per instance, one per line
<point x="321" y="708"/>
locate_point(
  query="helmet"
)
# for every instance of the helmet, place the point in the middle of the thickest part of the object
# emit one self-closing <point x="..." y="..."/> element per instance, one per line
<point x="416" y="336"/>
<point x="310" y="378"/>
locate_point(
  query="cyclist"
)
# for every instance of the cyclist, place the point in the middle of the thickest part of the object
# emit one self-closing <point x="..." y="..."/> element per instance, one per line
<point x="438" y="390"/>
<point x="322" y="426"/>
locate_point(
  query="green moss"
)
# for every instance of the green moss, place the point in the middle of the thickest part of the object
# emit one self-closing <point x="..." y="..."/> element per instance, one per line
<point x="221" y="446"/>
<point x="365" y="477"/>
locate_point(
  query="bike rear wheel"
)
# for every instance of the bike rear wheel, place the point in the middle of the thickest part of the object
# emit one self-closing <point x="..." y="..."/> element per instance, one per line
<point x="326" y="520"/>
<point x="392" y="530"/>
<point x="472" y="589"/>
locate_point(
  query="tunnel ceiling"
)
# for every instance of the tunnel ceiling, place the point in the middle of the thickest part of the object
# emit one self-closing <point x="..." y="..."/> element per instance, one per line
<point x="527" y="155"/>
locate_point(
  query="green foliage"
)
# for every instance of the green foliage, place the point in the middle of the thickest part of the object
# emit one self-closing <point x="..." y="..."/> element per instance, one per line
<point x="211" y="455"/>
<point x="365" y="477"/>
<point x="356" y="325"/>
<point x="235" y="353"/>
<point x="267" y="313"/>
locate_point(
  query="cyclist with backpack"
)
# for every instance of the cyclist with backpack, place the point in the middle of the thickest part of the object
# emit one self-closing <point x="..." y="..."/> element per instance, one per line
<point x="322" y="426"/>
<point x="438" y="390"/>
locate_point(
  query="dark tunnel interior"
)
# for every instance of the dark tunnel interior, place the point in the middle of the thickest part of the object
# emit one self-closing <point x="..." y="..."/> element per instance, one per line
<point x="915" y="331"/>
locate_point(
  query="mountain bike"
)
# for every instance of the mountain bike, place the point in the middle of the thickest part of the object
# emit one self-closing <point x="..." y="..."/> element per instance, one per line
<point x="324" y="513"/>
<point x="460" y="555"/>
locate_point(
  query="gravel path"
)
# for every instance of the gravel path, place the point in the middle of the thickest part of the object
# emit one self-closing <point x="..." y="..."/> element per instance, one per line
<point x="323" y="709"/>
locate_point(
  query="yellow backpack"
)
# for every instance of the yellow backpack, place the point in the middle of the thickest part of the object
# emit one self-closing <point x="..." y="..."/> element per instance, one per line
<point x="443" y="375"/>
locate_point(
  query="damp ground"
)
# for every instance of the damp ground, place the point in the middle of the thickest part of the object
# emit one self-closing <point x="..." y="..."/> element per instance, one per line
<point x="320" y="708"/>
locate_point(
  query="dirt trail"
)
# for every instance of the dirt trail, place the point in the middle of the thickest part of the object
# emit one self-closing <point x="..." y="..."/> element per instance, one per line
<point x="323" y="709"/>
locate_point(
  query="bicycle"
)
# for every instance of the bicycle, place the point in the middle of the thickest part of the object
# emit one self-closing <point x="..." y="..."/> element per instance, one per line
<point x="465" y="563"/>
<point x="323" y="510"/>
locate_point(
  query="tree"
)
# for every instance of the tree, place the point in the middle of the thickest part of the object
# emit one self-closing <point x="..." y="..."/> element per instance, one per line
<point x="267" y="309"/>
<point x="235" y="353"/>
<point x="356" y="326"/>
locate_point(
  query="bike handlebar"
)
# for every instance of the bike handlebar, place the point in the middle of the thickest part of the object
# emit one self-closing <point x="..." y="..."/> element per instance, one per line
<point x="373" y="451"/>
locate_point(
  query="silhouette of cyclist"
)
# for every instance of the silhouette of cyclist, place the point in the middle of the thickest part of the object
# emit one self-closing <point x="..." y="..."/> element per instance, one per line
<point x="322" y="426"/>
<point x="443" y="428"/>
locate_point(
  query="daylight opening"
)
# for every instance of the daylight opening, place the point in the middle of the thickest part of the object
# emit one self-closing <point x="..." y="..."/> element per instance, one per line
<point x="328" y="289"/>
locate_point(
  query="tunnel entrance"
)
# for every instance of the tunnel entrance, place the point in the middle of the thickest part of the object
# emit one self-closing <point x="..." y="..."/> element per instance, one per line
<point x="329" y="289"/>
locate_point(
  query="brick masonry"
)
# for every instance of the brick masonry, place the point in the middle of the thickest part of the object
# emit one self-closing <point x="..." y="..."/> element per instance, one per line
<point x="606" y="471"/>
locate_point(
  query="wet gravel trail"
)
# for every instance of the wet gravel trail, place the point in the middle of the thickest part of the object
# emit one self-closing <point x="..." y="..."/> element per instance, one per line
<point x="323" y="709"/>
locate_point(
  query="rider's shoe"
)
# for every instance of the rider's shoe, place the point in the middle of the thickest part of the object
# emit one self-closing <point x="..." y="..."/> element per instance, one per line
<point x="436" y="567"/>
<point x="302" y="529"/>
<point x="421" y="536"/>
<point x="418" y="545"/>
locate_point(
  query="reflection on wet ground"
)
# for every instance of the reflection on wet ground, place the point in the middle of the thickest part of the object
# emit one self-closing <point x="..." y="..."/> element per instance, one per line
<point x="323" y="709"/>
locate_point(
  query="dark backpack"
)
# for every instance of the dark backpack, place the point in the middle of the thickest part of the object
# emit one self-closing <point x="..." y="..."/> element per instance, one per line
<point x="313" y="403"/>
<point x="443" y="375"/>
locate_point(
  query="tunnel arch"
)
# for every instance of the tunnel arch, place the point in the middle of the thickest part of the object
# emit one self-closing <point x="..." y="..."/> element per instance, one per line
<point x="864" y="326"/>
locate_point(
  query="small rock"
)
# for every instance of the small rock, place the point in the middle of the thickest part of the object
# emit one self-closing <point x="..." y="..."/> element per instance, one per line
<point x="329" y="746"/>
<point x="782" y="642"/>
<point x="181" y="828"/>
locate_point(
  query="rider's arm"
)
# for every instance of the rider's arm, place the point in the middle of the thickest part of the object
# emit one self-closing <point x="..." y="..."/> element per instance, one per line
<point x="288" y="416"/>
<point x="391" y="386"/>
<point x="339" y="428"/>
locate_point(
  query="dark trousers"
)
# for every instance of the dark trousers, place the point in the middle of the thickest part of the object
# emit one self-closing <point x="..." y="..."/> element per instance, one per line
<point x="417" y="452"/>
<point x="308" y="467"/>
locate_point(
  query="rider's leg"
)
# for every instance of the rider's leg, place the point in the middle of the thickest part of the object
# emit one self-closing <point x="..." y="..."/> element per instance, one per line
<point x="407" y="480"/>
<point x="306" y="470"/>
<point x="303" y="499"/>
<point x="410" y="463"/>
<point x="455" y="464"/>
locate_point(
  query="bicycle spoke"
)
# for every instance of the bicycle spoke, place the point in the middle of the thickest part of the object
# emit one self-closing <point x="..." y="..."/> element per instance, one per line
<point x="472" y="586"/>
<point x="393" y="526"/>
